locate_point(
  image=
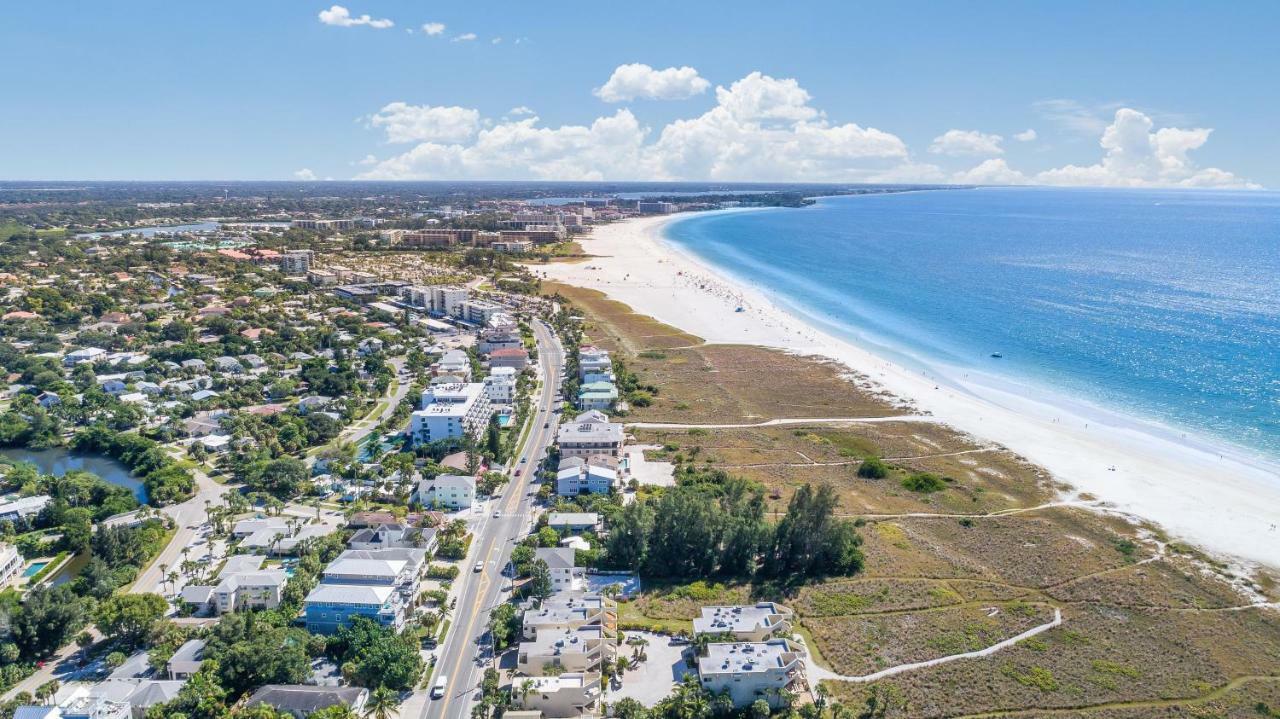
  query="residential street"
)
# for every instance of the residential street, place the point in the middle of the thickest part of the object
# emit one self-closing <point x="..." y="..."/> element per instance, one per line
<point x="460" y="653"/>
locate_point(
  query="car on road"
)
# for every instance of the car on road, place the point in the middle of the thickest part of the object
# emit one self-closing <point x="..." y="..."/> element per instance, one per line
<point x="479" y="567"/>
<point x="517" y="473"/>
<point x="524" y="460"/>
<point x="496" y="514"/>
<point x="546" y="425"/>
<point x="437" y="689"/>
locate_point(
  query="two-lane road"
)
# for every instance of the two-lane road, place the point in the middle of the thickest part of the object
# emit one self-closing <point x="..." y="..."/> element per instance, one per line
<point x="495" y="537"/>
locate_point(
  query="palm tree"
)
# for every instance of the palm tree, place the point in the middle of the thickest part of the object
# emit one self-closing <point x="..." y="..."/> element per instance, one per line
<point x="526" y="687"/>
<point x="382" y="704"/>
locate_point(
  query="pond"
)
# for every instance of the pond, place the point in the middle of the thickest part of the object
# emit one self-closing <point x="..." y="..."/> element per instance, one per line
<point x="59" y="461"/>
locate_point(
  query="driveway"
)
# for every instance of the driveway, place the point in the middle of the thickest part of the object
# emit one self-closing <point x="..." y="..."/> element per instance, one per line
<point x="655" y="677"/>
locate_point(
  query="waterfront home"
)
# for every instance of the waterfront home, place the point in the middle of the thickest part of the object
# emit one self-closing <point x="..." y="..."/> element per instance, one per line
<point x="23" y="507"/>
<point x="580" y="475"/>
<point x="597" y="395"/>
<point x="590" y="433"/>
<point x="745" y="623"/>
<point x="593" y="360"/>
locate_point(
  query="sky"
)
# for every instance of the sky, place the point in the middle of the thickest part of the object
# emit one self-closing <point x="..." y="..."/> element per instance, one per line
<point x="1083" y="93"/>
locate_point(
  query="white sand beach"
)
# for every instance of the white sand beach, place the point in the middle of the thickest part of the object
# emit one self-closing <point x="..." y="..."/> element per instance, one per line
<point x="1224" y="501"/>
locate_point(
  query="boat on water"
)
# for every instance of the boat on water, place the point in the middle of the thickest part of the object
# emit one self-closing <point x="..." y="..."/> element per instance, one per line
<point x="997" y="355"/>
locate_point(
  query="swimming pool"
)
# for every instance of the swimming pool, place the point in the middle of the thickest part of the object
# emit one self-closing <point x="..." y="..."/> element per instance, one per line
<point x="34" y="568"/>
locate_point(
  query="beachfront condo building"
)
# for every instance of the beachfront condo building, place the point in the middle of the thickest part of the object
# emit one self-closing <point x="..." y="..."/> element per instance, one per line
<point x="748" y="671"/>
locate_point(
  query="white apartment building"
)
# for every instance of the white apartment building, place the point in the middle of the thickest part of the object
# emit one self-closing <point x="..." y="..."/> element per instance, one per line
<point x="454" y="491"/>
<point x="745" y="623"/>
<point x="590" y="433"/>
<point x="448" y="299"/>
<point x="748" y="671"/>
<point x="571" y="650"/>
<point x="594" y="361"/>
<point x="479" y="312"/>
<point x="500" y="385"/>
<point x="573" y="694"/>
<point x="565" y="611"/>
<point x="448" y="410"/>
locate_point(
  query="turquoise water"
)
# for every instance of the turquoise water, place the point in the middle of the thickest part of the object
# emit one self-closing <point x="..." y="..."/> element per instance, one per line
<point x="34" y="569"/>
<point x="1160" y="304"/>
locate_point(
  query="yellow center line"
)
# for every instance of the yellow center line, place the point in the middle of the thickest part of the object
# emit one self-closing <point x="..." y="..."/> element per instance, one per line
<point x="514" y="497"/>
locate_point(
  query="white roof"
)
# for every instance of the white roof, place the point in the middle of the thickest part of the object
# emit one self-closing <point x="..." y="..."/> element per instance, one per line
<point x="352" y="566"/>
<point x="576" y="519"/>
<point x="745" y="657"/>
<point x="722" y="619"/>
<point x="373" y="595"/>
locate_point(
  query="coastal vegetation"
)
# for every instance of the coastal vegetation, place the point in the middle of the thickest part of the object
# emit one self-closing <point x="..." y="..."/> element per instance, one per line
<point x="963" y="545"/>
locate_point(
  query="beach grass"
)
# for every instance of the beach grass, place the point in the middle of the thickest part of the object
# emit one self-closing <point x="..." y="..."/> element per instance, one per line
<point x="1149" y="629"/>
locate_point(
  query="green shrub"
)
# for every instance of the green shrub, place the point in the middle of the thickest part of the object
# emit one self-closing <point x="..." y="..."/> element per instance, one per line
<point x="873" y="468"/>
<point x="924" y="482"/>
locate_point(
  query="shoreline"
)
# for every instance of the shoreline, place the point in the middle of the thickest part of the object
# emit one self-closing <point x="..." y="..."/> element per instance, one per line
<point x="1219" y="499"/>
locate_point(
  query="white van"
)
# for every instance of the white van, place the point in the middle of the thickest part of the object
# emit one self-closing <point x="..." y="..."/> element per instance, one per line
<point x="437" y="689"/>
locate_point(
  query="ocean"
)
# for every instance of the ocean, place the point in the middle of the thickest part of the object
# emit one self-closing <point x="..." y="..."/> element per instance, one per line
<point x="1162" y="305"/>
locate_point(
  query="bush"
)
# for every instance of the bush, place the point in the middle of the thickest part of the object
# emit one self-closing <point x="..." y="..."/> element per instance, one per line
<point x="442" y="571"/>
<point x="924" y="482"/>
<point x="873" y="468"/>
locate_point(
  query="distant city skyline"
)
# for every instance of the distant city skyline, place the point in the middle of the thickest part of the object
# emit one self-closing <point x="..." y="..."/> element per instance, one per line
<point x="1143" y="94"/>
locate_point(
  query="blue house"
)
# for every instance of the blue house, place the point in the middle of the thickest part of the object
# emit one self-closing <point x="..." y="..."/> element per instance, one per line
<point x="331" y="606"/>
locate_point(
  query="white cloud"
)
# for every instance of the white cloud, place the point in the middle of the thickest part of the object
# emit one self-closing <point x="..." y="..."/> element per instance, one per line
<point x="367" y="160"/>
<point x="465" y="37"/>
<point x="306" y="175"/>
<point x="339" y="16"/>
<point x="1076" y="117"/>
<point x="966" y="142"/>
<point x="991" y="172"/>
<point x="760" y="97"/>
<point x="1138" y="157"/>
<point x="425" y="123"/>
<point x="1027" y="135"/>
<point x="433" y="28"/>
<point x="639" y="81"/>
<point x="760" y="128"/>
<point x="496" y="41"/>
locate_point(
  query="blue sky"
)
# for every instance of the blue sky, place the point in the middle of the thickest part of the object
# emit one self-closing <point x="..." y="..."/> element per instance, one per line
<point x="1156" y="93"/>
